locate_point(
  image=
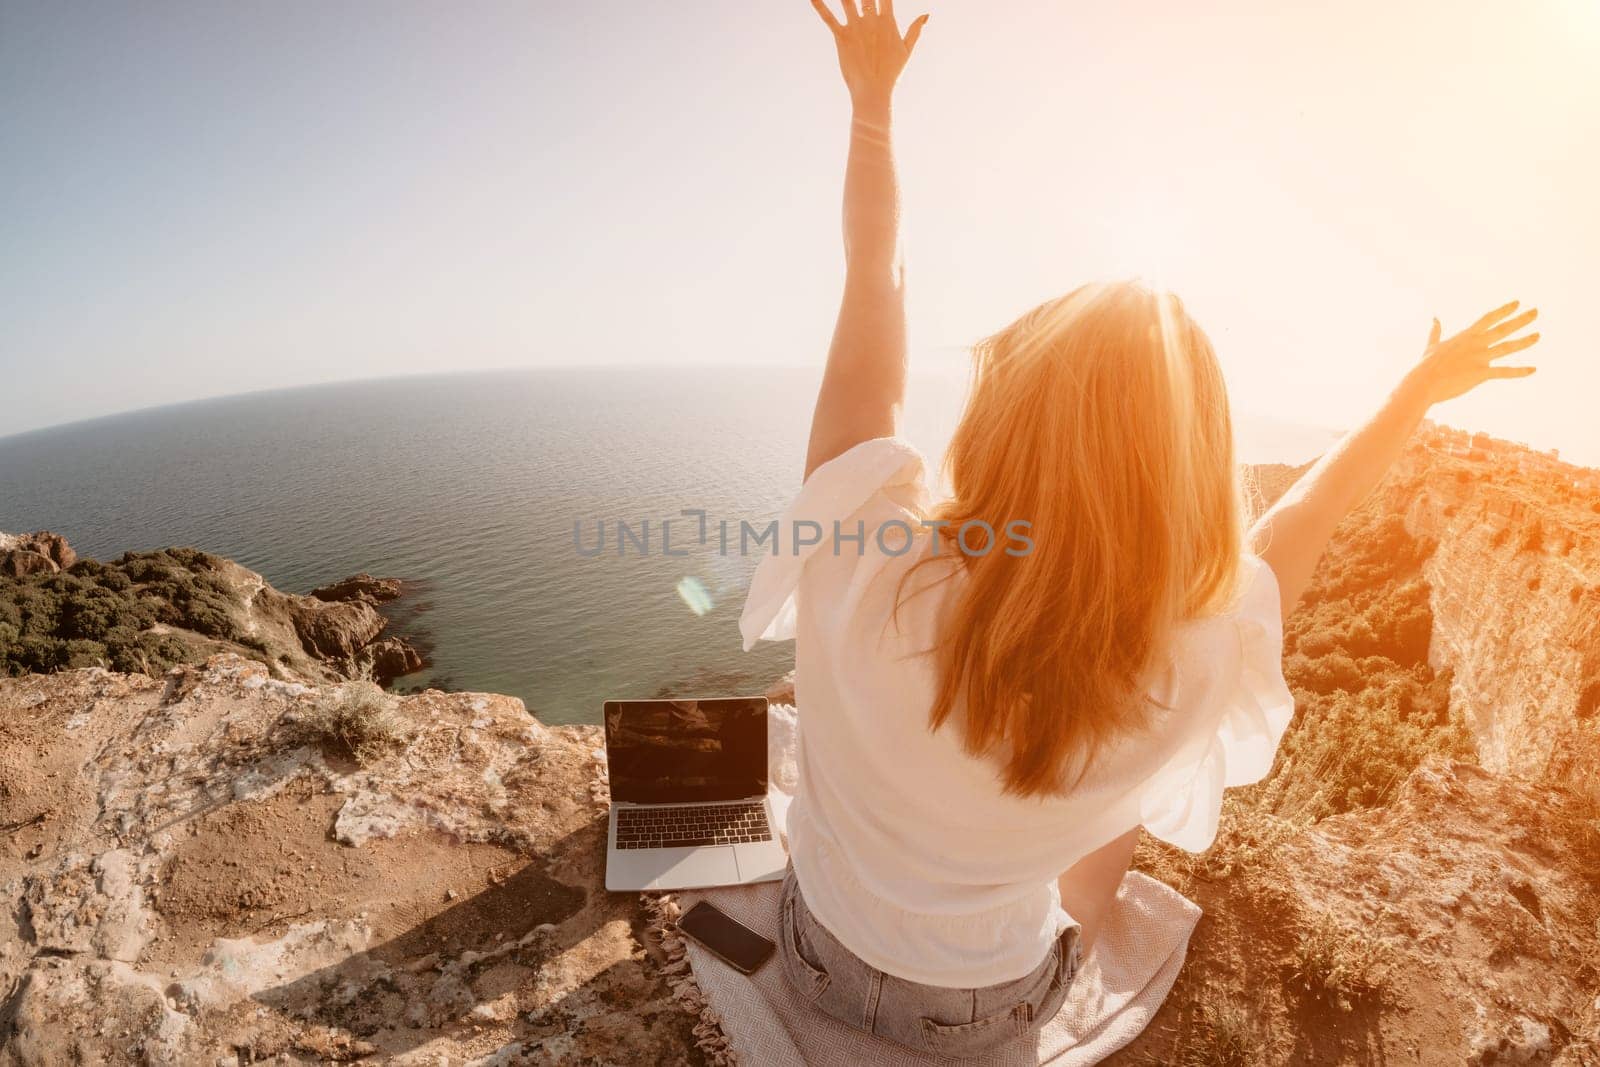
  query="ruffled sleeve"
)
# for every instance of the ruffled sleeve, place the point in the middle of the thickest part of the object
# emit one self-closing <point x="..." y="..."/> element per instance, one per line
<point x="1236" y="734"/>
<point x="852" y="494"/>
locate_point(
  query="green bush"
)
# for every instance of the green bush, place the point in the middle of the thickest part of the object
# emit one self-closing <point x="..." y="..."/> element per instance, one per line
<point x="92" y="612"/>
<point x="1326" y="674"/>
<point x="98" y="613"/>
<point x="1369" y="708"/>
<point x="79" y="653"/>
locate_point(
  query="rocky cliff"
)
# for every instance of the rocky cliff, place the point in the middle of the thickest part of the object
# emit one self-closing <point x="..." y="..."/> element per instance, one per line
<point x="1418" y="880"/>
<point x="230" y="862"/>
<point x="1515" y="580"/>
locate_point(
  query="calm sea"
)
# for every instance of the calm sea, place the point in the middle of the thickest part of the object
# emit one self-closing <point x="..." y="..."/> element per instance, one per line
<point x="468" y="486"/>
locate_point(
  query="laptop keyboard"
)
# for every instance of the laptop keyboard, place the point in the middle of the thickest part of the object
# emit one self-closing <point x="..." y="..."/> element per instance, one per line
<point x="701" y="824"/>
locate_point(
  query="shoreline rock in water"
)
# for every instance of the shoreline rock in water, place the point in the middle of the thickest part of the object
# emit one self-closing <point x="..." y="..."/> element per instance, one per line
<point x="389" y="658"/>
<point x="362" y="587"/>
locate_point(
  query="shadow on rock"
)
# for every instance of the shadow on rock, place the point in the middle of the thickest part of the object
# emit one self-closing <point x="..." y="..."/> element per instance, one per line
<point x="471" y="961"/>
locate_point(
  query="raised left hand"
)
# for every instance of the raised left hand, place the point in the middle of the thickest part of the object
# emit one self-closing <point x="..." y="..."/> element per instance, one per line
<point x="1451" y="366"/>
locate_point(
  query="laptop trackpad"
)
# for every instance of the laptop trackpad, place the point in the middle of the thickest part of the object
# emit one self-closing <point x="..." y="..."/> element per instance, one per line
<point x="686" y="868"/>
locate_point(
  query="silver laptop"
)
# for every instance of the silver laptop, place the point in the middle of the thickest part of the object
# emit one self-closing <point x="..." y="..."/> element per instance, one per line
<point x="689" y="803"/>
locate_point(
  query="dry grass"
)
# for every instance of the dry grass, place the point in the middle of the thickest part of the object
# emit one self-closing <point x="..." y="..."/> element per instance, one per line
<point x="1582" y="780"/>
<point x="356" y="719"/>
<point x="1339" y="963"/>
<point x="1248" y="839"/>
<point x="1585" y="784"/>
<point x="1226" y="1035"/>
<point x="1572" y="768"/>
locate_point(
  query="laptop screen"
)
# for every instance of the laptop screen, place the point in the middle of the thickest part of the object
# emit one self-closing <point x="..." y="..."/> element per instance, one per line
<point x="681" y="751"/>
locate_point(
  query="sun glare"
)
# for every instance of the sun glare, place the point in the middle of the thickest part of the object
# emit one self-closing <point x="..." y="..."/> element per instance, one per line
<point x="1148" y="242"/>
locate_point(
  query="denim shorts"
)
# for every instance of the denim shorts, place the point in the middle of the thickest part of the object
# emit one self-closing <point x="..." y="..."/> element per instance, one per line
<point x="932" y="1019"/>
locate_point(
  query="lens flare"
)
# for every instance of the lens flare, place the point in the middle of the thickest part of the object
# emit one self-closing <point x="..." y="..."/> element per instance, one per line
<point x="694" y="594"/>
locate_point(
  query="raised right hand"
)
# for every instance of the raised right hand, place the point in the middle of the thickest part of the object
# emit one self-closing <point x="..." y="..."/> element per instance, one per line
<point x="1461" y="363"/>
<point x="872" y="52"/>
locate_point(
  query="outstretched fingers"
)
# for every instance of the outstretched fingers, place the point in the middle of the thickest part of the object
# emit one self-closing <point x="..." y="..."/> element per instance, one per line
<point x="1466" y="360"/>
<point x="1506" y="348"/>
<point x="915" y="33"/>
<point x="1511" y="326"/>
<point x="827" y="15"/>
<point x="1496" y="315"/>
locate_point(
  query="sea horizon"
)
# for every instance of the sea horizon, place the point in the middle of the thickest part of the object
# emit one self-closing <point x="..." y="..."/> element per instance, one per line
<point x="948" y="373"/>
<point x="467" y="486"/>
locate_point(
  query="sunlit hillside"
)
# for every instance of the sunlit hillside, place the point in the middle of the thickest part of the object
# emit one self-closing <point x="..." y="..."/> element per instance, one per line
<point x="1362" y="900"/>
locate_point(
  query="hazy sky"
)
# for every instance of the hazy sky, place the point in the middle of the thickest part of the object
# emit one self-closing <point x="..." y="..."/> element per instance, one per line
<point x="208" y="198"/>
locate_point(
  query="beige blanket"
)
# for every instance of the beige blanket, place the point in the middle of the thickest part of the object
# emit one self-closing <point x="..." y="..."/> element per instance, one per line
<point x="1122" y="982"/>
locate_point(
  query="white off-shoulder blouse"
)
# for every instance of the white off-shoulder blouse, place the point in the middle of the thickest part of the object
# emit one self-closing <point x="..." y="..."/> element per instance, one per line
<point x="905" y="846"/>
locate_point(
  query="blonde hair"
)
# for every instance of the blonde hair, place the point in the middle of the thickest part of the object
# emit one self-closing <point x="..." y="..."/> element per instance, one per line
<point x="1101" y="418"/>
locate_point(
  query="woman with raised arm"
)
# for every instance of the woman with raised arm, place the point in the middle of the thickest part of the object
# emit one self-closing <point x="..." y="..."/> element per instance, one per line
<point x="997" y="692"/>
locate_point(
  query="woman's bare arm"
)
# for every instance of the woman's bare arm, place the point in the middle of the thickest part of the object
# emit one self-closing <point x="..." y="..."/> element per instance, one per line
<point x="863" y="387"/>
<point x="1292" y="534"/>
<point x="1089" y="887"/>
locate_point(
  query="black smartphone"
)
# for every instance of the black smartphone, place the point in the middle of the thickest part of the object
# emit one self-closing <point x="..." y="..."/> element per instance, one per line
<point x="728" y="939"/>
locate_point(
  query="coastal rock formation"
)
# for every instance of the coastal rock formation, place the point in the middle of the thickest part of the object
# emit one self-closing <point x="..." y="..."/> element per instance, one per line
<point x="361" y="586"/>
<point x="149" y="610"/>
<point x="335" y="631"/>
<point x="388" y="658"/>
<point x="42" y="552"/>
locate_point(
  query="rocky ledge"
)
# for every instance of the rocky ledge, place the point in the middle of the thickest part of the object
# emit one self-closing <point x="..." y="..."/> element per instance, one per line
<point x="193" y="870"/>
<point x="1459" y="924"/>
<point x="191" y="873"/>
